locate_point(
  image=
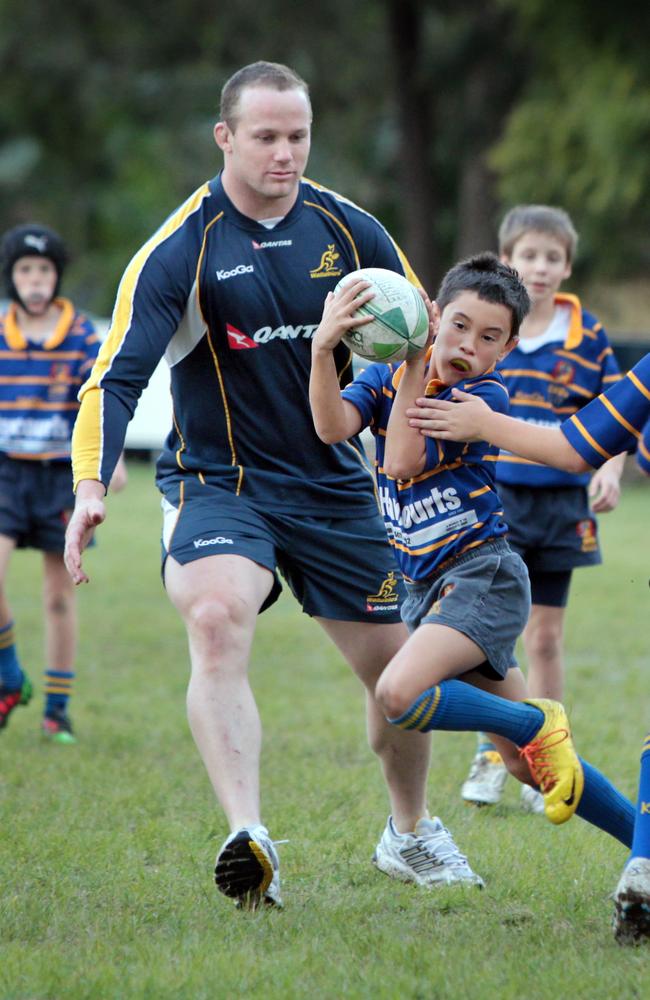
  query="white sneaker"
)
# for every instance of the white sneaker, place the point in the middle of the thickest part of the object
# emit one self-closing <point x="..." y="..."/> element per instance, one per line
<point x="532" y="801"/>
<point x="632" y="903"/>
<point x="247" y="868"/>
<point x="486" y="778"/>
<point x="427" y="857"/>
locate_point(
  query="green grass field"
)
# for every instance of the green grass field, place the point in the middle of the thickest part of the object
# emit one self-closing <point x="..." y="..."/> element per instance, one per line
<point x="107" y="848"/>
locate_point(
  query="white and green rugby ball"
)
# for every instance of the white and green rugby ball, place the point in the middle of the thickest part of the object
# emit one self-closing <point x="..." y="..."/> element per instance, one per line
<point x="400" y="324"/>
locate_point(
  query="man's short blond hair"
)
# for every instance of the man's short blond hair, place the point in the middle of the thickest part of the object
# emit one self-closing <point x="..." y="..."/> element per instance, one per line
<point x="257" y="74"/>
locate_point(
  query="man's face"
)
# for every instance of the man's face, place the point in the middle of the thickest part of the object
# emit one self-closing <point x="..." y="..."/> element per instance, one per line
<point x="266" y="151"/>
<point x="472" y="336"/>
<point x="35" y="279"/>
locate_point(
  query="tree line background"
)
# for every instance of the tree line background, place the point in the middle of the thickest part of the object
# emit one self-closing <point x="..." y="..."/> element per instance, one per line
<point x="436" y="116"/>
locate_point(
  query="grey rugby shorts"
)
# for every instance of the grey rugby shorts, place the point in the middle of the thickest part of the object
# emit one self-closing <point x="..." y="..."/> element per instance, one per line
<point x="485" y="594"/>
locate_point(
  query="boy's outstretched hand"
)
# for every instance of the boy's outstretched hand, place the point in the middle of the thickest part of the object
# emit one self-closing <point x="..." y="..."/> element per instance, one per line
<point x="340" y="314"/>
<point x="461" y="420"/>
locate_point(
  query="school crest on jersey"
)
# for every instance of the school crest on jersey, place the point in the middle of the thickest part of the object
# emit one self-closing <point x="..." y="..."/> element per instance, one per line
<point x="563" y="371"/>
<point x="327" y="267"/>
<point x="59" y="381"/>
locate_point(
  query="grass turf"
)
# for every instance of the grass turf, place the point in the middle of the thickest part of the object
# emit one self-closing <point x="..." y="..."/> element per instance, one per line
<point x="107" y="847"/>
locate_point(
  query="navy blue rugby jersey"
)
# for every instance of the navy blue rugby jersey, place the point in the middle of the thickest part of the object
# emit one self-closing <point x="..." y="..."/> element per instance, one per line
<point x="453" y="505"/>
<point x="233" y="306"/>
<point x="553" y="382"/>
<point x="615" y="421"/>
<point x="39" y="383"/>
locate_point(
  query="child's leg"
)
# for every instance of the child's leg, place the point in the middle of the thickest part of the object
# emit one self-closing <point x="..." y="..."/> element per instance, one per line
<point x="418" y="689"/>
<point x="11" y="674"/>
<point x="60" y="633"/>
<point x="641" y="843"/>
<point x="543" y="641"/>
<point x="632" y="895"/>
<point x="601" y="804"/>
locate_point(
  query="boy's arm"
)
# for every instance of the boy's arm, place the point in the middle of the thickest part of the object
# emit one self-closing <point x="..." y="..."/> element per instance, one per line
<point x="406" y="450"/>
<point x="471" y="419"/>
<point x="335" y="419"/>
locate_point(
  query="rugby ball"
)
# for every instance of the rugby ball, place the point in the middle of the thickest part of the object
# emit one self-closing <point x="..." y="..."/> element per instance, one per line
<point x="400" y="324"/>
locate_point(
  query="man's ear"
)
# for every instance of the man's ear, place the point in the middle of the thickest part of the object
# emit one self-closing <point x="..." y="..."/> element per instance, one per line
<point x="222" y="136"/>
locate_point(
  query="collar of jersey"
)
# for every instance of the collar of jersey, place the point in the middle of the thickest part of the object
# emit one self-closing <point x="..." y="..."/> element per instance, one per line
<point x="244" y="221"/>
<point x="17" y="340"/>
<point x="574" y="336"/>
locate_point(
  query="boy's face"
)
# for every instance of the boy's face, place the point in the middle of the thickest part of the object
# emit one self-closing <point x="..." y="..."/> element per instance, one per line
<point x="542" y="263"/>
<point x="35" y="279"/>
<point x="471" y="336"/>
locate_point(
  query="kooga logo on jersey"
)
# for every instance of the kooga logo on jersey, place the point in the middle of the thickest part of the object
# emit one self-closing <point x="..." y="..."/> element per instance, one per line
<point x="240" y="269"/>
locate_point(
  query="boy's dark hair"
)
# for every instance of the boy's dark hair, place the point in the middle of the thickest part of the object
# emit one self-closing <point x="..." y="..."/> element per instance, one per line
<point x="537" y="219"/>
<point x="492" y="280"/>
<point x="257" y="74"/>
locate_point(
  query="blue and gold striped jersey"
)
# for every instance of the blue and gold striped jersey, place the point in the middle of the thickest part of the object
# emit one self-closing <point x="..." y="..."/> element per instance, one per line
<point x="552" y="382"/>
<point x="233" y="306"/>
<point x="453" y="505"/>
<point x="39" y="383"/>
<point x="616" y="421"/>
<point x="643" y="450"/>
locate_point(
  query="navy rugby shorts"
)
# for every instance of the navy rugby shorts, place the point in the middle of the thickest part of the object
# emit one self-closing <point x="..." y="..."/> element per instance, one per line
<point x="485" y="594"/>
<point x="552" y="528"/>
<point x="340" y="568"/>
<point x="36" y="499"/>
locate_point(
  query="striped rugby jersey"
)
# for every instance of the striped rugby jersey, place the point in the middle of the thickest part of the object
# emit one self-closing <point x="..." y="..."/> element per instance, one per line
<point x="616" y="421"/>
<point x="233" y="306"/>
<point x="39" y="383"/>
<point x="453" y="505"/>
<point x="643" y="450"/>
<point x="551" y="383"/>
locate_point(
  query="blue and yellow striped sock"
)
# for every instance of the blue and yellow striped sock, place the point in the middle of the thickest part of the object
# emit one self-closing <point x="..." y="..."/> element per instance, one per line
<point x="641" y="841"/>
<point x="603" y="806"/>
<point x="11" y="673"/>
<point x="58" y="687"/>
<point x="459" y="707"/>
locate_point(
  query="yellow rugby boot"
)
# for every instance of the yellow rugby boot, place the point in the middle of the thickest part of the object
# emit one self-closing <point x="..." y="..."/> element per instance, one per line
<point x="554" y="763"/>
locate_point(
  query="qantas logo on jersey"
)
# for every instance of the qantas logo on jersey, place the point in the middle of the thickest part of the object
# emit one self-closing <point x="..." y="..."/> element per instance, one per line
<point x="234" y="272"/>
<point x="271" y="244"/>
<point x="238" y="341"/>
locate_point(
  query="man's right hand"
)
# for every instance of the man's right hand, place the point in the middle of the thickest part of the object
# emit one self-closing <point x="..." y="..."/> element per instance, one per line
<point x="89" y="512"/>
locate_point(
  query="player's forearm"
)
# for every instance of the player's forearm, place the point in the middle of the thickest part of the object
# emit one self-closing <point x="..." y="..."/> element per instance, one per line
<point x="89" y="489"/>
<point x="331" y="416"/>
<point x="405" y="451"/>
<point x="538" y="444"/>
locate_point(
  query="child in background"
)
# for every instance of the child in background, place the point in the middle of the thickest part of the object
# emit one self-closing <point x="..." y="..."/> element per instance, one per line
<point x="563" y="359"/>
<point x="46" y="351"/>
